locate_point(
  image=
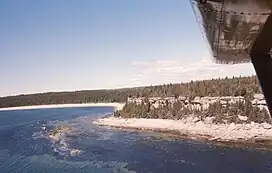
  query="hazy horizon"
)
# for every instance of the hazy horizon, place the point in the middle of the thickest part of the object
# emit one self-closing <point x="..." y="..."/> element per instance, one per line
<point x="44" y="92"/>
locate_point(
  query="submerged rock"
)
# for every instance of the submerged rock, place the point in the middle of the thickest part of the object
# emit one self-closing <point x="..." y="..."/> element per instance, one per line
<point x="60" y="129"/>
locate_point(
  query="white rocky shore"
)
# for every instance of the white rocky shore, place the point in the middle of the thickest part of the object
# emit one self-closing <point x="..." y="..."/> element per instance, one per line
<point x="117" y="106"/>
<point x="193" y="127"/>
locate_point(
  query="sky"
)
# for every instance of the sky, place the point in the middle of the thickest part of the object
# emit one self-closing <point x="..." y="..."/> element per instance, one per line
<point x="67" y="45"/>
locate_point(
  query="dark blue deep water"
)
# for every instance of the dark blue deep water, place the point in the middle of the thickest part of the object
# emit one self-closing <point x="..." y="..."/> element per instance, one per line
<point x="25" y="147"/>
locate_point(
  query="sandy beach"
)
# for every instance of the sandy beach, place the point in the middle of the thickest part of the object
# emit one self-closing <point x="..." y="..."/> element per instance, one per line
<point x="193" y="127"/>
<point x="117" y="106"/>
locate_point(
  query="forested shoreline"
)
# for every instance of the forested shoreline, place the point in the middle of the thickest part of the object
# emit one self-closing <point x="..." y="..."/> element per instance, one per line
<point x="235" y="86"/>
<point x="216" y="112"/>
<point x="242" y="111"/>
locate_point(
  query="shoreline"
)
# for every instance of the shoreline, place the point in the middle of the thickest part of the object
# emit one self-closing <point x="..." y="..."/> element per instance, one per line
<point x="253" y="135"/>
<point x="117" y="106"/>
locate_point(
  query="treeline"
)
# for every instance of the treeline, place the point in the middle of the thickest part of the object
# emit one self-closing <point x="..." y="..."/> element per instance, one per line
<point x="216" y="87"/>
<point x="217" y="112"/>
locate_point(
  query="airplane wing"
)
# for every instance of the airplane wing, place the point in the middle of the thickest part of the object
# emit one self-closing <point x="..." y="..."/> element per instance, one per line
<point x="231" y="26"/>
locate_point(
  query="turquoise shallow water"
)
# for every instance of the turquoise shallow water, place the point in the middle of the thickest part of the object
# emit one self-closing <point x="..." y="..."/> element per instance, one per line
<point x="25" y="146"/>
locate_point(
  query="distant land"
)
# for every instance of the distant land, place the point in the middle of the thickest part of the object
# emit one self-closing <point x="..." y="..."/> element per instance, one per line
<point x="235" y="86"/>
<point x="116" y="106"/>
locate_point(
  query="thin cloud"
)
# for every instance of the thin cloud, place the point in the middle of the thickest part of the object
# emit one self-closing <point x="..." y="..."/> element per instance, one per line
<point x="163" y="71"/>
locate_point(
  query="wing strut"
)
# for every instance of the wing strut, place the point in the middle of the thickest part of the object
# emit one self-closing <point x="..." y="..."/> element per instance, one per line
<point x="262" y="61"/>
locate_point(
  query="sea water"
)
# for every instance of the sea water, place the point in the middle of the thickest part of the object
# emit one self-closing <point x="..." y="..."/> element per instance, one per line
<point x="27" y="145"/>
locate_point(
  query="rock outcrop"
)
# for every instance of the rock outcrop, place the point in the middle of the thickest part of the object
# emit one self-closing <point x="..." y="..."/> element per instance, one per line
<point x="198" y="102"/>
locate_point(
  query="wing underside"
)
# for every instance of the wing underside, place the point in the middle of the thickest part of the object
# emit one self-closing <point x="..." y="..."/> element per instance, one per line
<point x="231" y="26"/>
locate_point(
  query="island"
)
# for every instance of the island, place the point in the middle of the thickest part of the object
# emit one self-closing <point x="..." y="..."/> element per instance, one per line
<point x="221" y="115"/>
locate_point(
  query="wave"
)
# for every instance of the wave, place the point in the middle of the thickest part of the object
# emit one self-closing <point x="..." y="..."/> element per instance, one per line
<point x="47" y="163"/>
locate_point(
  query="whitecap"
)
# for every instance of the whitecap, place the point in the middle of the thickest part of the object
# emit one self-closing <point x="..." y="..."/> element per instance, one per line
<point x="75" y="152"/>
<point x="37" y="135"/>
